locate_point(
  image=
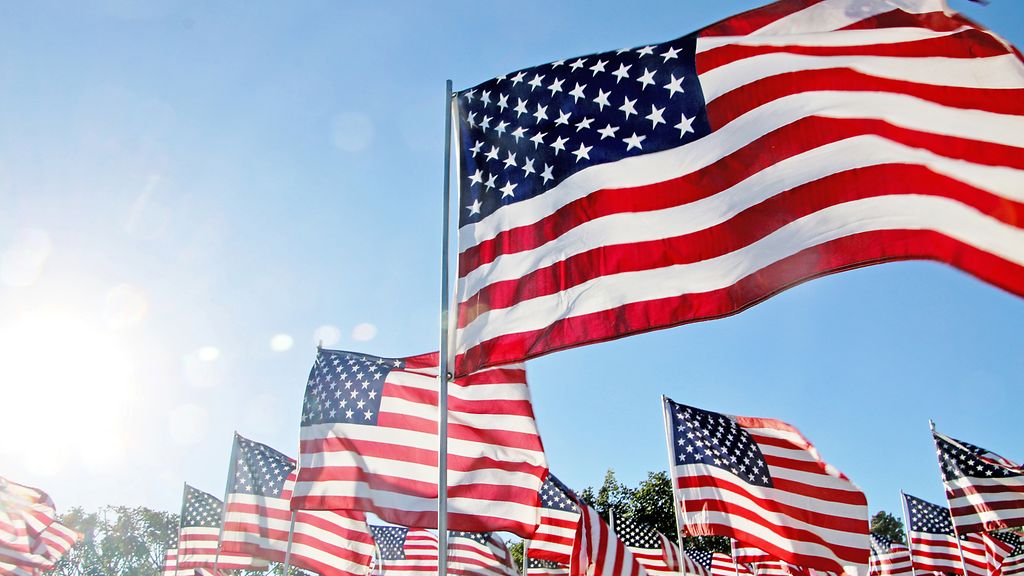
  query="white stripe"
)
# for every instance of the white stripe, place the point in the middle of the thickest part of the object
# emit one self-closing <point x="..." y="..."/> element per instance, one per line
<point x="835" y="14"/>
<point x="483" y="422"/>
<point x="866" y="37"/>
<point x="1003" y="71"/>
<point x="896" y="212"/>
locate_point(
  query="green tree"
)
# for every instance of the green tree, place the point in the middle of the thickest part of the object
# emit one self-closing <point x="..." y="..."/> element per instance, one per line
<point x="887" y="525"/>
<point x="118" y="540"/>
<point x="612" y="495"/>
<point x="516" y="549"/>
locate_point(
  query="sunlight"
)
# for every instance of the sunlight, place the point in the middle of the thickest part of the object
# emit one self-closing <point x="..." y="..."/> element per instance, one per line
<point x="70" y="375"/>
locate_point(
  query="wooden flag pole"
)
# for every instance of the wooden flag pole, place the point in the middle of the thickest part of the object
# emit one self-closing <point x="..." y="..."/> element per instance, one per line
<point x="677" y="505"/>
<point x="443" y="369"/>
<point x="906" y="530"/>
<point x="956" y="531"/>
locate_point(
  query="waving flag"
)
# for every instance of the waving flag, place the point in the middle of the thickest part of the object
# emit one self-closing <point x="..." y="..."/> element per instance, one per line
<point x="369" y="442"/>
<point x="201" y="516"/>
<point x="536" y="567"/>
<point x="25" y="514"/>
<point x="1013" y="563"/>
<point x="985" y="491"/>
<point x="722" y="565"/>
<point x="758" y="480"/>
<point x="888" y="558"/>
<point x="647" y="546"/>
<point x="328" y="542"/>
<point x="598" y="551"/>
<point x="478" y="554"/>
<point x="559" y="519"/>
<point x="933" y="544"/>
<point x="405" y="551"/>
<point x="631" y="190"/>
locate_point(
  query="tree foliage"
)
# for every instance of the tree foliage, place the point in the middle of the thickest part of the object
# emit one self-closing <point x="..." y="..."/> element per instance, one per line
<point x="887" y="525"/>
<point x="118" y="540"/>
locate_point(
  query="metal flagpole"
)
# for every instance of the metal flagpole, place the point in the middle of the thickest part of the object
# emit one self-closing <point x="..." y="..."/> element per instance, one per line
<point x="732" y="553"/>
<point x="227" y="490"/>
<point x="906" y="530"/>
<point x="181" y="520"/>
<point x="956" y="532"/>
<point x="526" y="552"/>
<point x="678" y="504"/>
<point x="442" y="403"/>
<point x="288" y="550"/>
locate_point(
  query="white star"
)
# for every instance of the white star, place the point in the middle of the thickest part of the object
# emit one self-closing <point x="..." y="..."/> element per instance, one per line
<point x="599" y="67"/>
<point x="685" y="125"/>
<point x="674" y="86"/>
<point x="508" y="189"/>
<point x="602" y="99"/>
<point x="577" y="64"/>
<point x="583" y="152"/>
<point x="628" y="106"/>
<point x="557" y="64"/>
<point x="577" y="92"/>
<point x="471" y="119"/>
<point x="559" y="144"/>
<point x="511" y="160"/>
<point x="368" y="414"/>
<point x="538" y="138"/>
<point x="647" y="79"/>
<point x="646" y="51"/>
<point x="503" y="102"/>
<point x="500" y="128"/>
<point x="563" y="118"/>
<point x="476" y="177"/>
<point x="608" y="131"/>
<point x="469" y="95"/>
<point x="535" y="83"/>
<point x="671" y="53"/>
<point x="493" y="154"/>
<point x="541" y="113"/>
<point x="519" y="133"/>
<point x="546" y="174"/>
<point x="634" y="142"/>
<point x="655" y="116"/>
<point x="475" y="150"/>
<point x="518" y="78"/>
<point x="528" y="166"/>
<point x="556" y="86"/>
<point x="520" y="108"/>
<point x="585" y="123"/>
<point x="622" y="72"/>
<point x="489" y="184"/>
<point x="485" y="97"/>
<point x="473" y="208"/>
<point x="485" y="123"/>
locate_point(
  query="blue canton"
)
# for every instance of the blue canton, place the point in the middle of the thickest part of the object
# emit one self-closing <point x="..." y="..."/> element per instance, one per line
<point x="970" y="460"/>
<point x="200" y="509"/>
<point x="259" y="469"/>
<point x="702" y="557"/>
<point x="555" y="495"/>
<point x="541" y="564"/>
<point x="346" y="388"/>
<point x="636" y="535"/>
<point x="390" y="541"/>
<point x="927" y="517"/>
<point x="1010" y="538"/>
<point x="880" y="544"/>
<point x="702" y="437"/>
<point x="523" y="134"/>
<point x="478" y="537"/>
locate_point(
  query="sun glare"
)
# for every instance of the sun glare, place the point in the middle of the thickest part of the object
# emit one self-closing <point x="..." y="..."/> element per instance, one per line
<point x="67" y="385"/>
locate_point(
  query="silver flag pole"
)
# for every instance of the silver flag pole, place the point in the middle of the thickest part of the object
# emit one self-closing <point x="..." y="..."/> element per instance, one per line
<point x="443" y="368"/>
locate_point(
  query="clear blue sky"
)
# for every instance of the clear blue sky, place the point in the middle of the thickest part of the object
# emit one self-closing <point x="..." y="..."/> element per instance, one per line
<point x="191" y="194"/>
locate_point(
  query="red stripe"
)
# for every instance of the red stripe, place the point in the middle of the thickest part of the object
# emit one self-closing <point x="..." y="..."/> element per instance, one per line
<point x="970" y="43"/>
<point x="982" y="489"/>
<point x="937" y="21"/>
<point x="828" y="258"/>
<point x="751" y="20"/>
<point x="737" y="232"/>
<point x="814" y="562"/>
<point x="398" y="453"/>
<point x="496" y="406"/>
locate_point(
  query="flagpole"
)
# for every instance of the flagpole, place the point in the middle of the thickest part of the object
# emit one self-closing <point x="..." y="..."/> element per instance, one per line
<point x="732" y="554"/>
<point x="181" y="520"/>
<point x="288" y="549"/>
<point x="227" y="490"/>
<point x="952" y="521"/>
<point x="906" y="530"/>
<point x="526" y="552"/>
<point x="443" y="371"/>
<point x="677" y="505"/>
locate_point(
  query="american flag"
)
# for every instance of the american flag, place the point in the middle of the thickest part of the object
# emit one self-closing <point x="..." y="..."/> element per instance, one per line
<point x="369" y="442"/>
<point x="25" y="514"/>
<point x="722" y="565"/>
<point x="759" y="481"/>
<point x="328" y="542"/>
<point x="598" y="551"/>
<point x="985" y="491"/>
<point x="631" y="190"/>
<point x="538" y="567"/>
<point x="58" y="540"/>
<point x="479" y="554"/>
<point x="647" y="546"/>
<point x="888" y="558"/>
<point x="559" y="518"/>
<point x="404" y="551"/>
<point x="933" y="544"/>
<point x="1013" y="563"/>
<point x="201" y="516"/>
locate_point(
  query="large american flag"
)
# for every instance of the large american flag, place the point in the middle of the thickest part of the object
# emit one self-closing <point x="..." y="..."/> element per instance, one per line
<point x="598" y="551"/>
<point x="201" y="516"/>
<point x="759" y="481"/>
<point x="25" y="514"/>
<point x="258" y="518"/>
<point x="650" y="549"/>
<point x="559" y="519"/>
<point x="631" y="190"/>
<point x="479" y="554"/>
<point x="369" y="442"/>
<point x="888" y="558"/>
<point x="933" y="544"/>
<point x="985" y="491"/>
<point x="404" y="551"/>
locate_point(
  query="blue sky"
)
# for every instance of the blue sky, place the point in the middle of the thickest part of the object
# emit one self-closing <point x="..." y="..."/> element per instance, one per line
<point x="192" y="194"/>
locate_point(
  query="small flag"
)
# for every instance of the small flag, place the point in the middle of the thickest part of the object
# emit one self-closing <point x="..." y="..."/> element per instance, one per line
<point x="598" y="551"/>
<point x="559" y="519"/>
<point x="888" y="558"/>
<point x="538" y="567"/>
<point x="479" y="554"/>
<point x="933" y="544"/>
<point x="404" y="551"/>
<point x="985" y="491"/>
<point x="646" y="545"/>
<point x="201" y="516"/>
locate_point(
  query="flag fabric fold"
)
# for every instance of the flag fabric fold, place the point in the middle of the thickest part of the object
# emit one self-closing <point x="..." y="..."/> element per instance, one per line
<point x="479" y="554"/>
<point x="201" y="517"/>
<point x="888" y="558"/>
<point x="648" y="546"/>
<point x="538" y="567"/>
<point x="985" y="491"/>
<point x="559" y="519"/>
<point x="369" y="442"/>
<point x="404" y="551"/>
<point x="25" y="514"/>
<point x="760" y="482"/>
<point x="598" y="551"/>
<point x="632" y="190"/>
